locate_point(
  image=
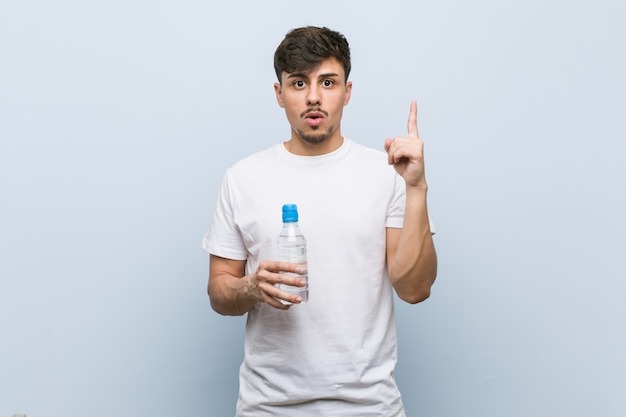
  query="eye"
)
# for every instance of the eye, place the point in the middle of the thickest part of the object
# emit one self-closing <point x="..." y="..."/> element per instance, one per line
<point x="298" y="84"/>
<point x="328" y="83"/>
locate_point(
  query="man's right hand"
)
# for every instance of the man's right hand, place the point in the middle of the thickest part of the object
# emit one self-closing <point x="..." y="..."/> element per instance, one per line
<point x="233" y="294"/>
<point x="262" y="284"/>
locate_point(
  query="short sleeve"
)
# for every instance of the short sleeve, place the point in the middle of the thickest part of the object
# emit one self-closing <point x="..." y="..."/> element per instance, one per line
<point x="395" y="212"/>
<point x="224" y="237"/>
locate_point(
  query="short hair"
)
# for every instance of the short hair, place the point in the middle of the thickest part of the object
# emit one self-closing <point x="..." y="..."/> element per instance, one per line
<point x="304" y="49"/>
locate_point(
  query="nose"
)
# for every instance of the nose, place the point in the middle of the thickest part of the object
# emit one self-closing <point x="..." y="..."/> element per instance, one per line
<point x="313" y="95"/>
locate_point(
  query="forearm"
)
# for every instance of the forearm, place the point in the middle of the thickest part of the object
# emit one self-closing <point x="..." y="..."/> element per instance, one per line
<point x="413" y="268"/>
<point x="230" y="295"/>
<point x="229" y="289"/>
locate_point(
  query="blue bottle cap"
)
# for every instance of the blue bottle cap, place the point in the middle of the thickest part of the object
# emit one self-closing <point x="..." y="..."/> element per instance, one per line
<point x="290" y="213"/>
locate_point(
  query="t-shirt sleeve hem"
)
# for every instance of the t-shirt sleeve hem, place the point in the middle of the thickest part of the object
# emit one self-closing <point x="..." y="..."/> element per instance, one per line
<point x="225" y="253"/>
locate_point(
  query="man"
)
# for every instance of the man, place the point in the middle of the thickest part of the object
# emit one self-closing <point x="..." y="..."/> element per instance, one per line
<point x="367" y="232"/>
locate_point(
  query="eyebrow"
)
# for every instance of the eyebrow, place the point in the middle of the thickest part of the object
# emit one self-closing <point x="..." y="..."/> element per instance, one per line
<point x="305" y="75"/>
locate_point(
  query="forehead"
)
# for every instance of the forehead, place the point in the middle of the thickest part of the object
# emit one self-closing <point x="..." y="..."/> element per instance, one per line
<point x="328" y="67"/>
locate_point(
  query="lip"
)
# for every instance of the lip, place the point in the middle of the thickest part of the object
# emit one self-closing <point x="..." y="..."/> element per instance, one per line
<point x="314" y="115"/>
<point x="314" y="118"/>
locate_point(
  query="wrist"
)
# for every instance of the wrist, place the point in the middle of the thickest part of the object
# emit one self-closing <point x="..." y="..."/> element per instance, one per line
<point x="418" y="190"/>
<point x="245" y="288"/>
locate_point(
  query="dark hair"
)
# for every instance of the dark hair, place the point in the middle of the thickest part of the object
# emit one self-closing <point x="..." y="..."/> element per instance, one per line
<point x="304" y="49"/>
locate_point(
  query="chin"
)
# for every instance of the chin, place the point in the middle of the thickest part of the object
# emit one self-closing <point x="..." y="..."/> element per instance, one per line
<point x="314" y="138"/>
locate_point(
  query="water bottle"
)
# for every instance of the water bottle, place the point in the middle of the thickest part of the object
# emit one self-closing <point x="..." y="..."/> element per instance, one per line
<point x="292" y="248"/>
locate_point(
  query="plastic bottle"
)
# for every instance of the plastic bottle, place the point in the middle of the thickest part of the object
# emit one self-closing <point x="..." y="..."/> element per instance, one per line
<point x="292" y="248"/>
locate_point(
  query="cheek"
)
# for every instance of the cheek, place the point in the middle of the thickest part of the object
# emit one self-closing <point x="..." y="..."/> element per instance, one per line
<point x="291" y="113"/>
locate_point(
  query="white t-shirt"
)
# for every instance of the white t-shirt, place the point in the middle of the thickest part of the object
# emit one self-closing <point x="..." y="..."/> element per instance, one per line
<point x="334" y="355"/>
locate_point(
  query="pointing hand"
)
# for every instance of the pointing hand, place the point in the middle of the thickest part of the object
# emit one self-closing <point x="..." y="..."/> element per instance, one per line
<point x="406" y="153"/>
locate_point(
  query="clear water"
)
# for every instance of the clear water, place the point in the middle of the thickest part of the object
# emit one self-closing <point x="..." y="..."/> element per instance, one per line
<point x="292" y="248"/>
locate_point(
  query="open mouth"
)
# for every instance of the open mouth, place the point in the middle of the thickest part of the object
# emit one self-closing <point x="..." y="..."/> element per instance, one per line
<point x="314" y="118"/>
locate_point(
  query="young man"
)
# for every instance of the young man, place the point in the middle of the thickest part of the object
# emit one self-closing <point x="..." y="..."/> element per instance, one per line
<point x="364" y="215"/>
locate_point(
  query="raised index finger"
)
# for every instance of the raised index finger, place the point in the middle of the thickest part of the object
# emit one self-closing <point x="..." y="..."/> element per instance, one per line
<point x="412" y="124"/>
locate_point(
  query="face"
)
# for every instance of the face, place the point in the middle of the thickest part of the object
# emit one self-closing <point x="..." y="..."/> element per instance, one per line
<point x="314" y="102"/>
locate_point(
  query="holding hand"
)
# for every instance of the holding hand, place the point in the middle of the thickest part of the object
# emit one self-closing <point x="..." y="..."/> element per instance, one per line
<point x="262" y="284"/>
<point x="406" y="153"/>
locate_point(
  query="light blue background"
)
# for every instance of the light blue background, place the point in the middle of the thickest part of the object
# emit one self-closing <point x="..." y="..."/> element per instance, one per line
<point x="118" y="119"/>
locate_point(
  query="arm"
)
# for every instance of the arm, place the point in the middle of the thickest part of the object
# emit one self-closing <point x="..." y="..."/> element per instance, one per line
<point x="411" y="256"/>
<point x="232" y="293"/>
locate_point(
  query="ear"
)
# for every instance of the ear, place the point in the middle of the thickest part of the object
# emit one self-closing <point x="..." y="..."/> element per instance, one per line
<point x="348" y="93"/>
<point x="278" y="89"/>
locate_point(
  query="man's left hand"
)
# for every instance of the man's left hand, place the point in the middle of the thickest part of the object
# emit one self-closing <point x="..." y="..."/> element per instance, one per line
<point x="406" y="153"/>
